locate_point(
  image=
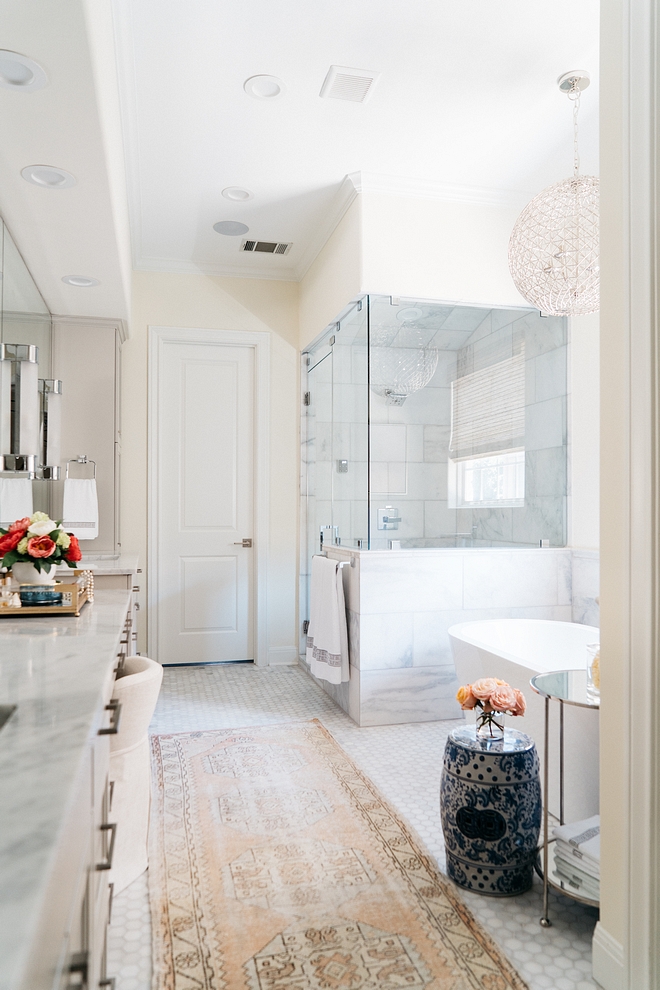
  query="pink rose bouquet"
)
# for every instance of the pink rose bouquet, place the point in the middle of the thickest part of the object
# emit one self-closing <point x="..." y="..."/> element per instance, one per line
<point x="493" y="698"/>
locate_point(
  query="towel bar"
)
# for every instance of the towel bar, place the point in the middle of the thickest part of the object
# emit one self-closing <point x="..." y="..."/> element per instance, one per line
<point x="80" y="459"/>
<point x="342" y="563"/>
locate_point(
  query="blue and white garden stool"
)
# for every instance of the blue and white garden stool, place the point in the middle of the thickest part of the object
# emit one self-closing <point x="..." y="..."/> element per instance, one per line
<point x="490" y="804"/>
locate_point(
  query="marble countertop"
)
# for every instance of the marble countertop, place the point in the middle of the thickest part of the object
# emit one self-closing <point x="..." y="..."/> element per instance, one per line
<point x="54" y="670"/>
<point x="125" y="564"/>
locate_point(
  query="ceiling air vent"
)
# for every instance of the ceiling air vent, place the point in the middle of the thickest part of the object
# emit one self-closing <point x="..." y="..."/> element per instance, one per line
<point x="355" y="85"/>
<point x="266" y="247"/>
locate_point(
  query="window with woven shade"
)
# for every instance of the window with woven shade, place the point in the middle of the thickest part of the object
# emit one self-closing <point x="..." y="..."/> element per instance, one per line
<point x="488" y="409"/>
<point x="487" y="445"/>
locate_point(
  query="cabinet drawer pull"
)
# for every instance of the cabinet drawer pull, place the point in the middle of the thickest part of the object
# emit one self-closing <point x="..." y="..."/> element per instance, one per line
<point x="111" y="793"/>
<point x="111" y="896"/>
<point x="112" y="828"/>
<point x="136" y="587"/>
<point x="113" y="706"/>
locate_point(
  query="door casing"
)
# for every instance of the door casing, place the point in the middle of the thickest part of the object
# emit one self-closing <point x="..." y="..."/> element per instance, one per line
<point x="260" y="341"/>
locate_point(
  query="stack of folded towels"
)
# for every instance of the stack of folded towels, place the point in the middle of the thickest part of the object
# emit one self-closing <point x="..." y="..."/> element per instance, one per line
<point x="577" y="856"/>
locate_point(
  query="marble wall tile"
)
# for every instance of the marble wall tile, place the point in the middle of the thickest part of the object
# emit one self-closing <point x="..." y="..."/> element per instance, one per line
<point x="430" y="406"/>
<point x="541" y="519"/>
<point x="431" y="646"/>
<point x="359" y="441"/>
<point x="564" y="578"/>
<point x="353" y="626"/>
<point x="546" y="472"/>
<point x="542" y="333"/>
<point x="530" y="382"/>
<point x="496" y="579"/>
<point x="586" y="587"/>
<point x="419" y="694"/>
<point x="436" y="443"/>
<point x="415" y="443"/>
<point x="428" y="480"/>
<point x="405" y="582"/>
<point x="411" y="526"/>
<point x="550" y="373"/>
<point x="545" y="424"/>
<point x="504" y="317"/>
<point x="446" y="370"/>
<point x="388" y="442"/>
<point x="450" y="340"/>
<point x="494" y="525"/>
<point x="386" y="641"/>
<point x="439" y="519"/>
<point x="465" y="318"/>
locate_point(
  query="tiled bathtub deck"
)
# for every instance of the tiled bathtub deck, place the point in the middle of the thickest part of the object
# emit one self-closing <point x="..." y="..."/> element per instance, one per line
<point x="404" y="762"/>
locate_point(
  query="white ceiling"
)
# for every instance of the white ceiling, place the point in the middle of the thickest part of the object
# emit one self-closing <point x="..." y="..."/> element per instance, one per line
<point x="69" y="123"/>
<point x="467" y="97"/>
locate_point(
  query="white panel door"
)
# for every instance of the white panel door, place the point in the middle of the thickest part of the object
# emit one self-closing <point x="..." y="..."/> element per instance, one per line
<point x="205" y="502"/>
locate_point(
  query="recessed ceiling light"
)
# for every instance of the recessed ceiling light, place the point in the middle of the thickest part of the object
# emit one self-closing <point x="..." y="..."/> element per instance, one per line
<point x="80" y="281"/>
<point x="237" y="195"/>
<point x="264" y="87"/>
<point x="232" y="228"/>
<point x="409" y="314"/>
<point x="19" y="72"/>
<point x="48" y="176"/>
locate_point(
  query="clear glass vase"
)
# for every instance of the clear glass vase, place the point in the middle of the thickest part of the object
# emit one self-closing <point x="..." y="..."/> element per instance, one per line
<point x="488" y="728"/>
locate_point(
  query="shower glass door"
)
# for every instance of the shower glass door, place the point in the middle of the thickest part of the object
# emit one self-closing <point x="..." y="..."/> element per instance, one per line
<point x="335" y="440"/>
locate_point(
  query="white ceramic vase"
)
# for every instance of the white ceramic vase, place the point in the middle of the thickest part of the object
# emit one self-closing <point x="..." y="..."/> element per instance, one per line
<point x="23" y="572"/>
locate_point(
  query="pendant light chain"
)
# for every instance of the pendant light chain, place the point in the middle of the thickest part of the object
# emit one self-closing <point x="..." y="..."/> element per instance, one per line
<point x="574" y="95"/>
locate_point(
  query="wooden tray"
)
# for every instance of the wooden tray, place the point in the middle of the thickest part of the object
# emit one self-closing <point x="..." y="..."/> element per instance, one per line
<point x="74" y="597"/>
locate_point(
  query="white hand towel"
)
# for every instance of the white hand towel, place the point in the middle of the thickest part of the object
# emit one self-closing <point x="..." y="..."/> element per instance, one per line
<point x="80" y="508"/>
<point x="579" y="881"/>
<point x="580" y="859"/>
<point x="327" y="638"/>
<point x="583" y="837"/>
<point x="15" y="500"/>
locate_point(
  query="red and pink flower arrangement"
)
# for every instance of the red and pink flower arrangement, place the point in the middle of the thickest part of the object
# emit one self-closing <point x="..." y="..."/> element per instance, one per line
<point x="494" y="698"/>
<point x="40" y="541"/>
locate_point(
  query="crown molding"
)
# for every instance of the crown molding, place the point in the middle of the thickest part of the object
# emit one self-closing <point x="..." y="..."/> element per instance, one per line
<point x="105" y="322"/>
<point x="341" y="201"/>
<point x="399" y="185"/>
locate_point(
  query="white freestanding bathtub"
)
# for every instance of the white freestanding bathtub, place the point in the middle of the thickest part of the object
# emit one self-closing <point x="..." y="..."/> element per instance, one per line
<point x="517" y="649"/>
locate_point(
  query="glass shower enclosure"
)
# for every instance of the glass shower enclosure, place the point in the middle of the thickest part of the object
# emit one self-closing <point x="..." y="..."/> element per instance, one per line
<point x="428" y="424"/>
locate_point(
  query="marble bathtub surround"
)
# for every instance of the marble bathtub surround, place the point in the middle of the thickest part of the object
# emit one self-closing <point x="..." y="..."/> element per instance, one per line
<point x="402" y="603"/>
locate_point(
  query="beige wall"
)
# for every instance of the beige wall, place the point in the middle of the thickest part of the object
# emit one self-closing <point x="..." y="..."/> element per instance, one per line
<point x="433" y="249"/>
<point x="584" y="432"/>
<point x="334" y="278"/>
<point x="204" y="302"/>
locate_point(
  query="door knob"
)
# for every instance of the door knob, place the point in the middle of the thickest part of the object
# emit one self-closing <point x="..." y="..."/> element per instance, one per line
<point x="244" y="543"/>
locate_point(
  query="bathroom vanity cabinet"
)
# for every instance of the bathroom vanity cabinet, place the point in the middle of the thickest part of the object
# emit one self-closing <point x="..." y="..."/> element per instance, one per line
<point x="57" y="831"/>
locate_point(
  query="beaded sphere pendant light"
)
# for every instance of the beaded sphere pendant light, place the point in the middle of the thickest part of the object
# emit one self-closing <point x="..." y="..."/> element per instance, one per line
<point x="554" y="245"/>
<point x="401" y="362"/>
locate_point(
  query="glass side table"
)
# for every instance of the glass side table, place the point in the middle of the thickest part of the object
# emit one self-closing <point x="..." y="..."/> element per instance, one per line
<point x="568" y="687"/>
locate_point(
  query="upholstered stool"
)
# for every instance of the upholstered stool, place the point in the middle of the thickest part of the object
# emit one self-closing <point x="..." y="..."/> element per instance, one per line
<point x="490" y="804"/>
<point x="136" y="689"/>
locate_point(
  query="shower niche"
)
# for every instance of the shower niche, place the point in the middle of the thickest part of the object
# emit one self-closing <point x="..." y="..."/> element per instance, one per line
<point x="431" y="425"/>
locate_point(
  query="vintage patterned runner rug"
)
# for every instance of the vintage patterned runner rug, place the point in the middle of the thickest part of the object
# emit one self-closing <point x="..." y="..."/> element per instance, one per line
<point x="275" y="864"/>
